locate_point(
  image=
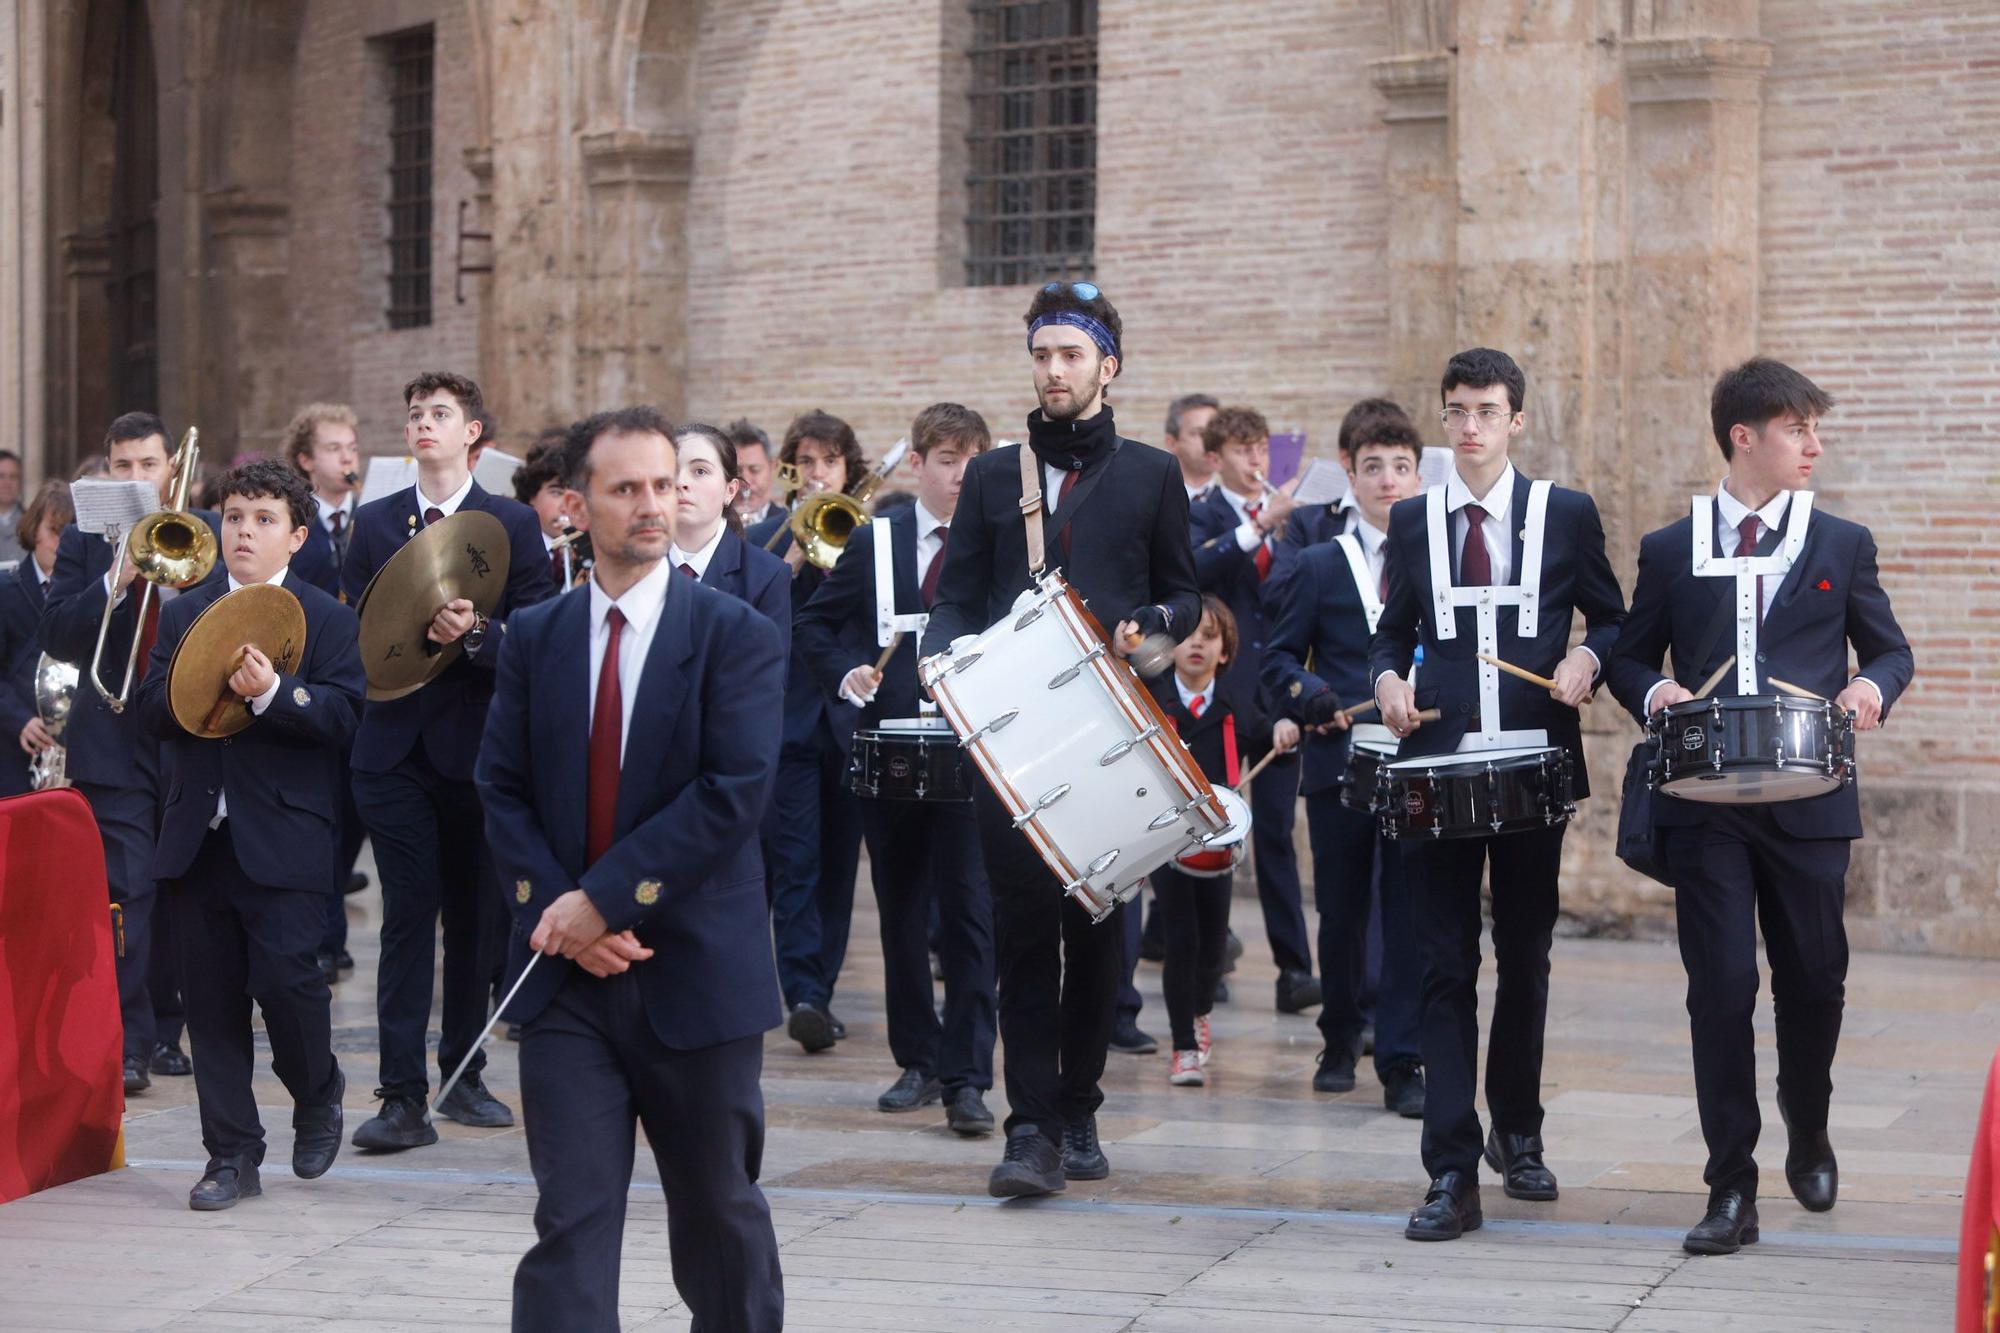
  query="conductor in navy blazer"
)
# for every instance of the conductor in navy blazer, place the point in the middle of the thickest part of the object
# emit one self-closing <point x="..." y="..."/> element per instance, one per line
<point x="412" y="778"/>
<point x="626" y="763"/>
<point x="112" y="763"/>
<point x="1783" y="864"/>
<point x="248" y="841"/>
<point x="1488" y="510"/>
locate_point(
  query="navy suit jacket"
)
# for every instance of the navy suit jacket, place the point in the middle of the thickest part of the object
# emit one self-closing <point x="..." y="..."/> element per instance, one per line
<point x="683" y="870"/>
<point x="282" y="773"/>
<point x="1304" y="529"/>
<point x="752" y="574"/>
<point x="836" y="629"/>
<point x="1128" y="545"/>
<point x="20" y="649"/>
<point x="1831" y="597"/>
<point x="1224" y="568"/>
<point x="1575" y="577"/>
<point x="806" y="705"/>
<point x="105" y="748"/>
<point x="1319" y="642"/>
<point x="449" y="713"/>
<point x="315" y="562"/>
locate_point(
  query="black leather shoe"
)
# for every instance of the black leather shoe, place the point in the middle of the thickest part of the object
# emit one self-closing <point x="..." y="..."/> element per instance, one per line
<point x="810" y="1027"/>
<point x="168" y="1059"/>
<point x="223" y="1184"/>
<point x="1403" y="1089"/>
<point x="401" y="1123"/>
<point x="1297" y="992"/>
<point x="965" y="1111"/>
<point x="1518" y="1159"/>
<point x="1232" y="949"/>
<point x="316" y="1135"/>
<point x="513" y="1032"/>
<point x="915" y="1088"/>
<point x="1368" y="1039"/>
<point x="136" y="1078"/>
<point x="1222" y="992"/>
<point x="329" y="967"/>
<point x="1335" y="1073"/>
<point x="344" y="961"/>
<point x="1729" y="1225"/>
<point x="1810" y="1168"/>
<point x="1449" y="1210"/>
<point x="835" y="1026"/>
<point x="1032" y="1165"/>
<point x="469" y="1103"/>
<point x="356" y="882"/>
<point x="1082" y="1157"/>
<point x="1129" y="1039"/>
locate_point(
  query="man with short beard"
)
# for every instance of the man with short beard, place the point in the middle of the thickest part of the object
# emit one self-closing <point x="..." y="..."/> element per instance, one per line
<point x="1116" y="526"/>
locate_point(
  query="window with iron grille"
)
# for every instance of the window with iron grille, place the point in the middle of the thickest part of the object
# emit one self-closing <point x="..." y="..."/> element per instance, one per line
<point x="1032" y="188"/>
<point x="409" y="66"/>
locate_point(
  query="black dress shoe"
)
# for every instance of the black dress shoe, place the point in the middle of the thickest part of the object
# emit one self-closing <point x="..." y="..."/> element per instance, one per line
<point x="1368" y="1039"/>
<point x="1082" y="1157"/>
<point x="513" y="1032"/>
<point x="316" y="1135"/>
<point x="1335" y="1073"/>
<point x="136" y="1078"/>
<point x="1128" y="1038"/>
<point x="965" y="1111"/>
<point x="169" y="1060"/>
<point x="344" y="961"/>
<point x="1232" y="949"/>
<point x="1222" y="992"/>
<point x="223" y="1184"/>
<point x="1810" y="1168"/>
<point x="329" y="967"/>
<point x="810" y="1027"/>
<point x="1032" y="1165"/>
<point x="401" y="1123"/>
<point x="356" y="882"/>
<point x="1729" y="1225"/>
<point x="1403" y="1089"/>
<point x="1518" y="1159"/>
<point x="1297" y="992"/>
<point x="1449" y="1210"/>
<point x="915" y="1088"/>
<point x="835" y="1026"/>
<point x="469" y="1103"/>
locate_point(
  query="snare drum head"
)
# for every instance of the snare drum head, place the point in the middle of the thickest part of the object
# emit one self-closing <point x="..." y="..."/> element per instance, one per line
<point x="1238" y="811"/>
<point x="1473" y="758"/>
<point x="923" y="726"/>
<point x="1374" y="736"/>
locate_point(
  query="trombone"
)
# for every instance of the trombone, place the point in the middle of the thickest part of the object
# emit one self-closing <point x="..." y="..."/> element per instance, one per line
<point x="825" y="520"/>
<point x="168" y="546"/>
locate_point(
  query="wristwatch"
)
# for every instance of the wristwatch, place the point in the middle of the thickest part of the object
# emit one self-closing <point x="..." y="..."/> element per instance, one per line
<point x="477" y="634"/>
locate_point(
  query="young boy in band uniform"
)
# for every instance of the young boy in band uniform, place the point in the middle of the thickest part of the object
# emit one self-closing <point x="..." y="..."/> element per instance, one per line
<point x="249" y="843"/>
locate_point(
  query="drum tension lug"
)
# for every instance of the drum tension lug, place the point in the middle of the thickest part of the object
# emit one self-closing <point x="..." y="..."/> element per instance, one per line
<point x="1028" y="617"/>
<point x="1042" y="802"/>
<point x="1123" y="748"/>
<point x="996" y="725"/>
<point x="1101" y="864"/>
<point x="1068" y="674"/>
<point x="1164" y="818"/>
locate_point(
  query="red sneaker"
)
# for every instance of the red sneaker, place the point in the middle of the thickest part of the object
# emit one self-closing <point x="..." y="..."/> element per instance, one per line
<point x="1202" y="1041"/>
<point x="1185" y="1072"/>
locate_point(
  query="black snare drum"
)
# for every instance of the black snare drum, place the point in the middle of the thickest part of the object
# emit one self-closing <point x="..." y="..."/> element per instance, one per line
<point x="1372" y="745"/>
<point x="1476" y="794"/>
<point x="1753" y="749"/>
<point x="908" y="759"/>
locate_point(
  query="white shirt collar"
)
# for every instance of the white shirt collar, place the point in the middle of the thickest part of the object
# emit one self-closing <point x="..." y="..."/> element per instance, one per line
<point x="1733" y="509"/>
<point x="276" y="580"/>
<point x="676" y="557"/>
<point x="1241" y="504"/>
<point x="927" y="522"/>
<point x="327" y="511"/>
<point x="40" y="577"/>
<point x="1188" y="696"/>
<point x="1371" y="536"/>
<point x="640" y="604"/>
<point x="449" y="505"/>
<point x="1496" y="502"/>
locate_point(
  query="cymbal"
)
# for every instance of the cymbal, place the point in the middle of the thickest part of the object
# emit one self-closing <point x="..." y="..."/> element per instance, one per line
<point x="461" y="555"/>
<point x="208" y="654"/>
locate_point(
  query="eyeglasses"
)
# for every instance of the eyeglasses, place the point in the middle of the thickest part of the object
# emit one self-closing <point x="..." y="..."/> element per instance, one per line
<point x="1486" y="416"/>
<point x="1083" y="291"/>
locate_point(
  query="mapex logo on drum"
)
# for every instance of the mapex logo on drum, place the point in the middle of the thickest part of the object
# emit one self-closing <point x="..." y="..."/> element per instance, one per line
<point x="899" y="768"/>
<point x="1413" y="803"/>
<point x="1693" y="739"/>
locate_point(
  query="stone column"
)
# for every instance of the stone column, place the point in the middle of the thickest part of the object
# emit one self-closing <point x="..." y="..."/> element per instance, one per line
<point x="632" y="331"/>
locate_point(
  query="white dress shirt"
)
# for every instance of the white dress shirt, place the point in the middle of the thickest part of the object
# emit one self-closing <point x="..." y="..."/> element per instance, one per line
<point x="641" y="605"/>
<point x="327" y="511"/>
<point x="1195" y="493"/>
<point x="696" y="560"/>
<point x="1188" y="696"/>
<point x="257" y="705"/>
<point x="1499" y="505"/>
<point x="1248" y="535"/>
<point x="1373" y="539"/>
<point x="449" y="505"/>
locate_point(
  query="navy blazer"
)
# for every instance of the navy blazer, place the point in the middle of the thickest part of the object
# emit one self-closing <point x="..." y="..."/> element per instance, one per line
<point x="282" y="773"/>
<point x="1128" y="545"/>
<point x="836" y="629"/>
<point x="1831" y="597"/>
<point x="449" y="713"/>
<point x="1224" y="568"/>
<point x="1575" y="577"/>
<point x="1304" y="528"/>
<point x="20" y="649"/>
<point x="752" y="574"/>
<point x="1203" y="736"/>
<point x="105" y="748"/>
<point x="683" y="870"/>
<point x="806" y="705"/>
<point x="1319" y="642"/>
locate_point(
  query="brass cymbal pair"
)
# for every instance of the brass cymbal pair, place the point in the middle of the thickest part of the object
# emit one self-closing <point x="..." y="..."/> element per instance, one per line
<point x="263" y="615"/>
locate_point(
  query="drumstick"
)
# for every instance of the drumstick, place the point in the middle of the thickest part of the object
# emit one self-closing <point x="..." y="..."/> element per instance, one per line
<point x="1261" y="765"/>
<point x="1797" y="691"/>
<point x="487" y="1031"/>
<point x="882" y="662"/>
<point x="1349" y="714"/>
<point x="1513" y="670"/>
<point x="1709" y="685"/>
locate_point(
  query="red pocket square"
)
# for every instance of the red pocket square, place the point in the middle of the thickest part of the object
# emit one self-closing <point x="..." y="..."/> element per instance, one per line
<point x="1824" y="586"/>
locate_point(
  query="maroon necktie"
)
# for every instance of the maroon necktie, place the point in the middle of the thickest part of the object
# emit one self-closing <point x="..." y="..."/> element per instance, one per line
<point x="607" y="727"/>
<point x="1062" y="498"/>
<point x="688" y="570"/>
<point x="1475" y="566"/>
<point x="1382" y="583"/>
<point x="1263" y="543"/>
<point x="339" y="519"/>
<point x="432" y="515"/>
<point x="556" y="566"/>
<point x="1746" y="545"/>
<point x="934" y="568"/>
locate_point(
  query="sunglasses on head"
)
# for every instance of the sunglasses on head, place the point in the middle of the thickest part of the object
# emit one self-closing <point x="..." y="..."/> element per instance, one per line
<point x="1083" y="291"/>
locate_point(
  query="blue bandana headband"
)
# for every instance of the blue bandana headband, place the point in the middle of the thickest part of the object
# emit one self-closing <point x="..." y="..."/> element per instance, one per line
<point x="1076" y="319"/>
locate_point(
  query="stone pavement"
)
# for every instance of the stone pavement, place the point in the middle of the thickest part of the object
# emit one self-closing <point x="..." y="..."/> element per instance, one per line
<point x="1252" y="1204"/>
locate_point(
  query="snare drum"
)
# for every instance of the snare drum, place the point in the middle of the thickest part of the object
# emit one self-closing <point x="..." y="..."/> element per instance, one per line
<point x="1075" y="748"/>
<point x="1371" y="745"/>
<point x="1219" y="854"/>
<point x="908" y="759"/>
<point x="1753" y="749"/>
<point x="1475" y="794"/>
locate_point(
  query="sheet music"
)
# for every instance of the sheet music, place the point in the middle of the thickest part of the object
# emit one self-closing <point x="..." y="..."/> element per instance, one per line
<point x="1435" y="466"/>
<point x="385" y="475"/>
<point x="495" y="472"/>
<point x="104" y="507"/>
<point x="1321" y="483"/>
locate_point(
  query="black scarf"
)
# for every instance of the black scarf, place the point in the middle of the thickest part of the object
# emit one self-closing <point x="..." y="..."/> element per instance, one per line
<point x="1072" y="446"/>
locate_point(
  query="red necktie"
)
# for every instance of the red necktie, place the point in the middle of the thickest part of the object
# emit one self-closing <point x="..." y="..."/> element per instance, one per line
<point x="607" y="726"/>
<point x="432" y="515"/>
<point x="1263" y="543"/>
<point x="556" y="570"/>
<point x="148" y="632"/>
<point x="1746" y="545"/>
<point x="688" y="570"/>
<point x="1196" y="704"/>
<point x="936" y="567"/>
<point x="1475" y="565"/>
<point x="1062" y="498"/>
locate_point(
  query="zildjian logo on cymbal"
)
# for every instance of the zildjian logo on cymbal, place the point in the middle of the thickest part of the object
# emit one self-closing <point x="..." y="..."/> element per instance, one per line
<point x="479" y="565"/>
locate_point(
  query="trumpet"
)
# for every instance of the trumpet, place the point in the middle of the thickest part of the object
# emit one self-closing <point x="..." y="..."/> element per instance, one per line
<point x="169" y="546"/>
<point x="823" y="522"/>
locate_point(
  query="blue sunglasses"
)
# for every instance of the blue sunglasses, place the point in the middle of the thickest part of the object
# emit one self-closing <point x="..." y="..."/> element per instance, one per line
<point x="1083" y="291"/>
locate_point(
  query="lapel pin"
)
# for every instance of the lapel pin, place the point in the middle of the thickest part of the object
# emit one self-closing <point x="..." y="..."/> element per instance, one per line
<point x="1824" y="586"/>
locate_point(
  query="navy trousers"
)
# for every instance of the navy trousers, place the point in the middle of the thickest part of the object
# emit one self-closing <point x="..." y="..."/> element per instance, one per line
<point x="812" y="840"/>
<point x="1274" y="804"/>
<point x="127" y="818"/>
<point x="1348" y="856"/>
